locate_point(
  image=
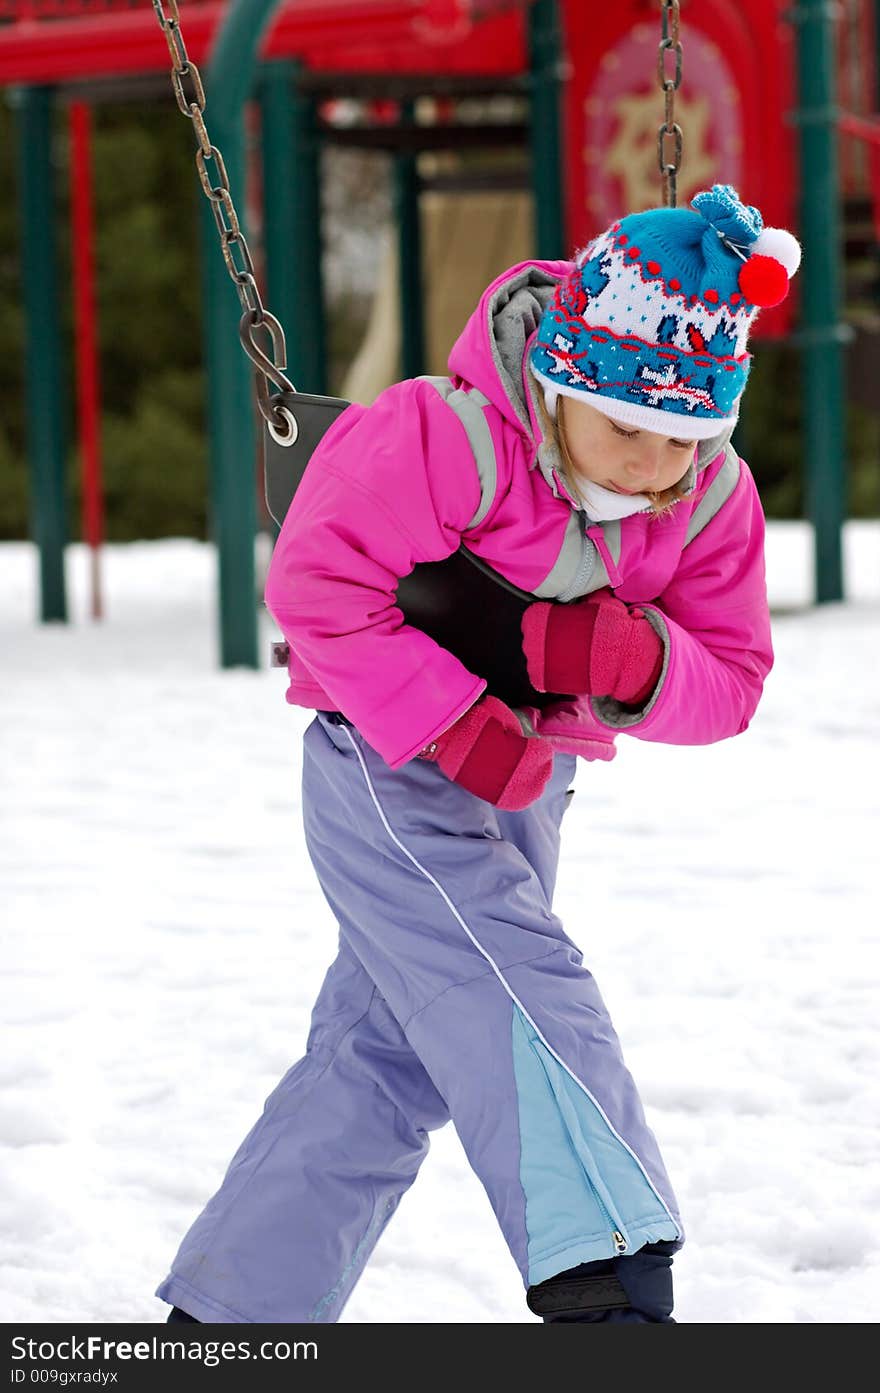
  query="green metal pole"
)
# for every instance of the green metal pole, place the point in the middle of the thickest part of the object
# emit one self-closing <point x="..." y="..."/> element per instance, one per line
<point x="545" y="65"/>
<point x="292" y="197"/>
<point x="409" y="258"/>
<point x="822" y="334"/>
<point x="43" y="377"/>
<point x="230" y="391"/>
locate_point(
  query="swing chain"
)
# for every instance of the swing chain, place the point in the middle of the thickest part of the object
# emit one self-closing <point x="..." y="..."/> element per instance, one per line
<point x="236" y="253"/>
<point x="669" y="130"/>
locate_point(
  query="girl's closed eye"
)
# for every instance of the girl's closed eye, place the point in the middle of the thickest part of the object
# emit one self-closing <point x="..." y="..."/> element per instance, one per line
<point x="631" y="435"/>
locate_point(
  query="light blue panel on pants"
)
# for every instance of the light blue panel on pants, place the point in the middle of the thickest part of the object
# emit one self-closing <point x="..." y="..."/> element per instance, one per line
<point x="579" y="1179"/>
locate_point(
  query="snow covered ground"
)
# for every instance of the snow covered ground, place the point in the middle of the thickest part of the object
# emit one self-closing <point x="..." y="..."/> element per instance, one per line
<point x="163" y="938"/>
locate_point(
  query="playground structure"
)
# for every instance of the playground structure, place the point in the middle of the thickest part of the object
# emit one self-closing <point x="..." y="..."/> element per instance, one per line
<point x="759" y="92"/>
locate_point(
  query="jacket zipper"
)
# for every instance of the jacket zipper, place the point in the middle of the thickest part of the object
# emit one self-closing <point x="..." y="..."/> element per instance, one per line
<point x="597" y="534"/>
<point x="585" y="566"/>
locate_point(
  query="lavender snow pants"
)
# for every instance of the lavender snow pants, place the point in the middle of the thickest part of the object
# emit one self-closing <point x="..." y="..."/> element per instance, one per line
<point x="455" y="994"/>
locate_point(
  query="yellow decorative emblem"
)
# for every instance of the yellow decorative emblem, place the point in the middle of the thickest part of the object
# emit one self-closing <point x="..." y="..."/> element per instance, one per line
<point x="632" y="154"/>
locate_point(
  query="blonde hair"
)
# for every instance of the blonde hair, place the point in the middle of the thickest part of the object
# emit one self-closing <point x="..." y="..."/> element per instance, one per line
<point x="554" y="432"/>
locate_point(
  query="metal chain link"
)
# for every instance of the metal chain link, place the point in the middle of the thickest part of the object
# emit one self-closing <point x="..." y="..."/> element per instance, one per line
<point x="236" y="253"/>
<point x="669" y="130"/>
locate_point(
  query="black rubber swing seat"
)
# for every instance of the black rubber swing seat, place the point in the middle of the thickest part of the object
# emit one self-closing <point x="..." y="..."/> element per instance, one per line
<point x="461" y="602"/>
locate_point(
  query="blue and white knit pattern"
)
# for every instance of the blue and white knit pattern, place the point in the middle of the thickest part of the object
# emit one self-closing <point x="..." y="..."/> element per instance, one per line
<point x="650" y="325"/>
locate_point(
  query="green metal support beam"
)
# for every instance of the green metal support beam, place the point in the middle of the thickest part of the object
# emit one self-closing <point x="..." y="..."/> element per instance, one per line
<point x="822" y="334"/>
<point x="545" y="65"/>
<point x="44" y="391"/>
<point x="230" y="392"/>
<point x="409" y="259"/>
<point x="292" y="222"/>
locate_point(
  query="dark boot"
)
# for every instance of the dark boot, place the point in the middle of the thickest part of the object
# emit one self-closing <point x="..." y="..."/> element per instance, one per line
<point x="636" y="1288"/>
<point x="181" y="1316"/>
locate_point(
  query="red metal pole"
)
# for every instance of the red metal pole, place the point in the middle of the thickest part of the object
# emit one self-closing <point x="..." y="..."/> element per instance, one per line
<point x="86" y="343"/>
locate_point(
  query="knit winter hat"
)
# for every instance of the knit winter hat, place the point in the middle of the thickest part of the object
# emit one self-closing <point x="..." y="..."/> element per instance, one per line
<point x="651" y="324"/>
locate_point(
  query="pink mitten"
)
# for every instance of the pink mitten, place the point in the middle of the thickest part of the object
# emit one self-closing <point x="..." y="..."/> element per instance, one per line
<point x="596" y="647"/>
<point x="487" y="753"/>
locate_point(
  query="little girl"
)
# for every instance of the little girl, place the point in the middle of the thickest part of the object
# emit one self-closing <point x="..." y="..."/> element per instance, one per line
<point x="580" y="448"/>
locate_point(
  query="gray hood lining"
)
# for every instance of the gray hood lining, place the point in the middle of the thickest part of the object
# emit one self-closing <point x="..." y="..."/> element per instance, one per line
<point x="514" y="313"/>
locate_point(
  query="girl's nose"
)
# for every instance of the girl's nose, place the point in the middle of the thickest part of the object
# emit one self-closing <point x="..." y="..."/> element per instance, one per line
<point x="644" y="467"/>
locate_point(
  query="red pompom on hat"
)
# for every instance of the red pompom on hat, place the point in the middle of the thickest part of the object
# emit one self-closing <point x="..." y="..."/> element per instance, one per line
<point x="763" y="281"/>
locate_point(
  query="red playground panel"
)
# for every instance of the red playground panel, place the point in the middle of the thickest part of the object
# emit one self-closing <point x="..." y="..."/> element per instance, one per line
<point x="737" y="92"/>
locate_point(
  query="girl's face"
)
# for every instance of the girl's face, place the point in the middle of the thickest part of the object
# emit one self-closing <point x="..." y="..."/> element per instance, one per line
<point x="617" y="456"/>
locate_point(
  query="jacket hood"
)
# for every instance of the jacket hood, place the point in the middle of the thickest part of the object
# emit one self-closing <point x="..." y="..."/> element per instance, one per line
<point x="488" y="354"/>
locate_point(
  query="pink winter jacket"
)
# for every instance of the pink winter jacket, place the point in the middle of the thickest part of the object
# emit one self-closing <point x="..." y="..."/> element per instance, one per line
<point x="398" y="483"/>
